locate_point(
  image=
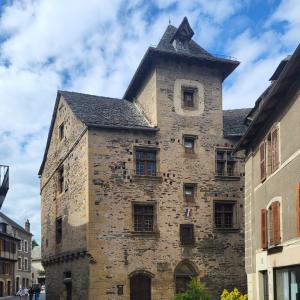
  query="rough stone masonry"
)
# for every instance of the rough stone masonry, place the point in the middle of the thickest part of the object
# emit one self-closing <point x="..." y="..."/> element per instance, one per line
<point x="139" y="194"/>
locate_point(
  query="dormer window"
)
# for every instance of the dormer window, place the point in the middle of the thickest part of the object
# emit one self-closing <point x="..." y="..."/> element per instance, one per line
<point x="182" y="36"/>
<point x="180" y="45"/>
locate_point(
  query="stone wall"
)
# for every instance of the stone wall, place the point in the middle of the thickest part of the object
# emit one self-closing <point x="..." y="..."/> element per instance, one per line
<point x="56" y="283"/>
<point x="117" y="250"/>
<point x="71" y="205"/>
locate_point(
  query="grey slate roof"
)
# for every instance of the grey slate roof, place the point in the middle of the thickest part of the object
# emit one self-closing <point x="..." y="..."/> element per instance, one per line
<point x="192" y="47"/>
<point x="105" y="112"/>
<point x="234" y="121"/>
<point x="13" y="223"/>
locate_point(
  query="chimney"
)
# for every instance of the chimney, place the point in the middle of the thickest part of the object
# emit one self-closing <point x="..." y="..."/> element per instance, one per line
<point x="27" y="226"/>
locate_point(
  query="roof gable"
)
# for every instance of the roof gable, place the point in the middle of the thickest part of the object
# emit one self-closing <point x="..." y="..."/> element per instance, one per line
<point x="13" y="223"/>
<point x="101" y="112"/>
<point x="184" y="31"/>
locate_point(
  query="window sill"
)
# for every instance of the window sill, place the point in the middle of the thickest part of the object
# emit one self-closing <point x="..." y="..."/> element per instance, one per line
<point x="147" y="177"/>
<point x="274" y="249"/>
<point x="227" y="178"/>
<point x="227" y="230"/>
<point x="188" y="245"/>
<point x="148" y="234"/>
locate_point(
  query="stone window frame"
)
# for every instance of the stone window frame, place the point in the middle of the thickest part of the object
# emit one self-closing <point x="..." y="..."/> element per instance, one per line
<point x="155" y="225"/>
<point x="236" y="215"/>
<point x="21" y="263"/>
<point x="58" y="230"/>
<point x="61" y="131"/>
<point x="236" y="164"/>
<point x="194" y="195"/>
<point x="25" y="243"/>
<point x="61" y="179"/>
<point x="147" y="148"/>
<point x="187" y="241"/>
<point x="26" y="265"/>
<point x="194" y="91"/>
<point x="193" y="137"/>
<point x="20" y="245"/>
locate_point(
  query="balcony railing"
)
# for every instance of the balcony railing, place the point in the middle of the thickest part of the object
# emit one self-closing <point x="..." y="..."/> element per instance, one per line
<point x="4" y="182"/>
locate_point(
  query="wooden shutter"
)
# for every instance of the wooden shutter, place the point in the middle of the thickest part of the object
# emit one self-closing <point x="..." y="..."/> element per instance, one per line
<point x="298" y="208"/>
<point x="276" y="222"/>
<point x="264" y="228"/>
<point x="262" y="151"/>
<point x="275" y="152"/>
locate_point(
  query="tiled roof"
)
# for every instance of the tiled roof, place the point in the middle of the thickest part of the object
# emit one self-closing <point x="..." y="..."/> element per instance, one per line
<point x="13" y="223"/>
<point x="105" y="112"/>
<point x="234" y="121"/>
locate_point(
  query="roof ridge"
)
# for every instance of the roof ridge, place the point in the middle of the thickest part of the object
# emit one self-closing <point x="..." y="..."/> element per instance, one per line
<point x="93" y="95"/>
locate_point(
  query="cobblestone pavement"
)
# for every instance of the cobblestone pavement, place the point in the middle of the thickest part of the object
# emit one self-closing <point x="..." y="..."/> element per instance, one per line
<point x="42" y="297"/>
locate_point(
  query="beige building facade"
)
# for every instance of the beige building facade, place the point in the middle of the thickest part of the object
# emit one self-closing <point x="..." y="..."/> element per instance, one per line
<point x="272" y="190"/>
<point x="141" y="193"/>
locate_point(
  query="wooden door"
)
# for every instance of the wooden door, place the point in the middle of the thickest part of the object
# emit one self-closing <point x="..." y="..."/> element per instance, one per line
<point x="182" y="283"/>
<point x="1" y="289"/>
<point x="140" y="287"/>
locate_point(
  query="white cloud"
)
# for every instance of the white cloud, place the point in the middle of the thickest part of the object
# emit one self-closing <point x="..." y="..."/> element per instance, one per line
<point x="98" y="45"/>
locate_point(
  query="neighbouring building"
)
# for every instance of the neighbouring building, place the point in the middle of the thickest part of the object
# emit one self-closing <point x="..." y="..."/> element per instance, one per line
<point x="139" y="194"/>
<point x="38" y="272"/>
<point x="20" y="252"/>
<point x="8" y="257"/>
<point x="272" y="187"/>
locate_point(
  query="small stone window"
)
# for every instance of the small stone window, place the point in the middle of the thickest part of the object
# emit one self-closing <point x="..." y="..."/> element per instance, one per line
<point x="145" y="162"/>
<point x="187" y="234"/>
<point x="61" y="131"/>
<point x="189" y="144"/>
<point x="224" y="215"/>
<point x="61" y="179"/>
<point x="58" y="230"/>
<point x="189" y="191"/>
<point x="226" y="164"/>
<point x="188" y="98"/>
<point x="143" y="215"/>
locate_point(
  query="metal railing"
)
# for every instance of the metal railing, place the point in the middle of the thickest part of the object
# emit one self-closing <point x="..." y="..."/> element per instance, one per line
<point x="4" y="182"/>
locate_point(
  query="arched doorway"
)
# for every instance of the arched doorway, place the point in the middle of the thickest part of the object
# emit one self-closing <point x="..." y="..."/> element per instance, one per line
<point x="140" y="287"/>
<point x="1" y="289"/>
<point x="184" y="272"/>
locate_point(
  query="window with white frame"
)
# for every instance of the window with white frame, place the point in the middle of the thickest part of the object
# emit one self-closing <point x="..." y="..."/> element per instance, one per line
<point x="25" y="263"/>
<point x="25" y="246"/>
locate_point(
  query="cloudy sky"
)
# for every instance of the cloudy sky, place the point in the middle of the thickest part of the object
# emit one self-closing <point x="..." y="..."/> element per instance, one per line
<point x="94" y="46"/>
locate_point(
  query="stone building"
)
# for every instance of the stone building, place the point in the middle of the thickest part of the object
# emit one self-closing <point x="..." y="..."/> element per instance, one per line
<point x="21" y="252"/>
<point x="38" y="272"/>
<point x="141" y="193"/>
<point x="8" y="257"/>
<point x="272" y="185"/>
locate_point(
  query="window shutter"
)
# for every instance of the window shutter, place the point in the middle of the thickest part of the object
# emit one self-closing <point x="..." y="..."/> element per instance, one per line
<point x="264" y="229"/>
<point x="298" y="208"/>
<point x="262" y="151"/>
<point x="275" y="152"/>
<point x="276" y="222"/>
